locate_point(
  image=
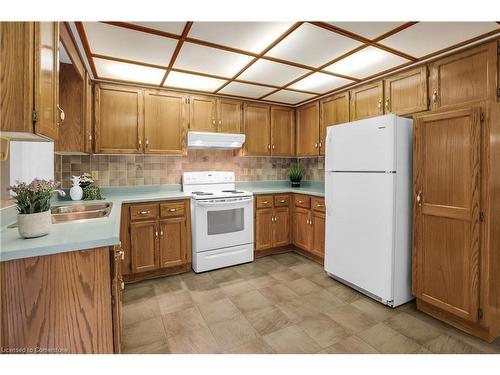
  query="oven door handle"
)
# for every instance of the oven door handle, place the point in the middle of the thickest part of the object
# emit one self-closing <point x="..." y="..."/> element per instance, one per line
<point x="225" y="204"/>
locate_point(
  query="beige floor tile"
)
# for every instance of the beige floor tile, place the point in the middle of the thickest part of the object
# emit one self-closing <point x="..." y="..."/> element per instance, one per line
<point x="142" y="333"/>
<point x="261" y="281"/>
<point x="289" y="259"/>
<point x="218" y="311"/>
<point x="387" y="340"/>
<point x="350" y="345"/>
<point x="199" y="282"/>
<point x="248" y="269"/>
<point x="446" y="344"/>
<point x="225" y="275"/>
<point x="414" y="328"/>
<point x="477" y="343"/>
<point x="303" y="286"/>
<point x="200" y="341"/>
<point x="174" y="301"/>
<point x="257" y="346"/>
<point x="137" y="292"/>
<point x="268" y="319"/>
<point x="345" y="293"/>
<point x="183" y="321"/>
<point x="250" y="301"/>
<point x="323" y="280"/>
<point x="233" y="332"/>
<point x="307" y="269"/>
<point x="201" y="297"/>
<point x="237" y="287"/>
<point x="140" y="310"/>
<point x="324" y="330"/>
<point x="291" y="340"/>
<point x="169" y="284"/>
<point x="296" y="311"/>
<point x="322" y="301"/>
<point x="268" y="264"/>
<point x="374" y="309"/>
<point x="278" y="293"/>
<point x="160" y="347"/>
<point x="351" y="318"/>
<point x="285" y="276"/>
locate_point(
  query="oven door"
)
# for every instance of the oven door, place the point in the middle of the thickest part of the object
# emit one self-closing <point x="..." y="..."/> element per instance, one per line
<point x="220" y="223"/>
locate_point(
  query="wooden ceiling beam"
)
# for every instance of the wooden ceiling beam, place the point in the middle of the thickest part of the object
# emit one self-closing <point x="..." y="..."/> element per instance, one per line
<point x="178" y="47"/>
<point x="86" y="47"/>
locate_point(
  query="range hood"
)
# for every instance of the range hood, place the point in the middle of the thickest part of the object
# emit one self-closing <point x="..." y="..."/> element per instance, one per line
<point x="220" y="141"/>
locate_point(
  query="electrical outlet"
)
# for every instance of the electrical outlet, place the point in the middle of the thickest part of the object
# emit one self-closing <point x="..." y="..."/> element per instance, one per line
<point x="95" y="175"/>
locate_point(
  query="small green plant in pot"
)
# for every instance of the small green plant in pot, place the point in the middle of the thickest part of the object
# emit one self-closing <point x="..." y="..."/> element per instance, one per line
<point x="33" y="207"/>
<point x="295" y="174"/>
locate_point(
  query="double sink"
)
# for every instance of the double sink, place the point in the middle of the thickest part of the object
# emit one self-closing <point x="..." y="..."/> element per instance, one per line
<point x="62" y="214"/>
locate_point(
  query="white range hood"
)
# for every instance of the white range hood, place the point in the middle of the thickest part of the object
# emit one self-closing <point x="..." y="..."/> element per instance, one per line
<point x="220" y="141"/>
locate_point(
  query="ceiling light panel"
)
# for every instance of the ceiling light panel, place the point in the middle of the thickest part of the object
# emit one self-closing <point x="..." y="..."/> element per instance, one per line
<point x="208" y="60"/>
<point x="424" y="38"/>
<point x="168" y="27"/>
<point x="193" y="82"/>
<point x="247" y="36"/>
<point x="366" y="62"/>
<point x="289" y="97"/>
<point x="320" y="83"/>
<point x="312" y="45"/>
<point x="272" y="73"/>
<point x="246" y="90"/>
<point x="368" y="30"/>
<point x="108" y="69"/>
<point x="128" y="44"/>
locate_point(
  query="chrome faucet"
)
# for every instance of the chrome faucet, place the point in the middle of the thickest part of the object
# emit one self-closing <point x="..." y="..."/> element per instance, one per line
<point x="61" y="192"/>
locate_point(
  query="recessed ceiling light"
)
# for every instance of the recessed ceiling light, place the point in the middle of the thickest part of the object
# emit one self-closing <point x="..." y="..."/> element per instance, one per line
<point x="245" y="89"/>
<point x="128" y="72"/>
<point x="320" y="83"/>
<point x="193" y="82"/>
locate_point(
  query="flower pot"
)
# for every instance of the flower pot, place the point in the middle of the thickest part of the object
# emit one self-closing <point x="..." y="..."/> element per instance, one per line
<point x="295" y="183"/>
<point x="34" y="225"/>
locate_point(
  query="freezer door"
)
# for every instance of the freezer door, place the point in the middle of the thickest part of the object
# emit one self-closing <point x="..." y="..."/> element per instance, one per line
<point x="365" y="145"/>
<point x="359" y="230"/>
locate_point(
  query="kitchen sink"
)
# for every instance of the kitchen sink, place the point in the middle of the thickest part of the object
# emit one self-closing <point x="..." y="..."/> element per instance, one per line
<point x="62" y="214"/>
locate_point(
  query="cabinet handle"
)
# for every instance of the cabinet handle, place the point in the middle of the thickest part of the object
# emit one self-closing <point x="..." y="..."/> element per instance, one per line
<point x="90" y="137"/>
<point x="387" y="104"/>
<point x="268" y="147"/>
<point x="213" y="121"/>
<point x="156" y="232"/>
<point x="282" y="201"/>
<point x="147" y="142"/>
<point x="143" y="212"/>
<point x="140" y="142"/>
<point x="320" y="143"/>
<point x="300" y="202"/>
<point x="419" y="198"/>
<point x="319" y="205"/>
<point x="379" y="104"/>
<point x="307" y="221"/>
<point x="161" y="232"/>
<point x="122" y="284"/>
<point x="315" y="145"/>
<point x="119" y="253"/>
<point x="220" y="122"/>
<point x="265" y="202"/>
<point x="434" y="96"/>
<point x="62" y="115"/>
<point x="172" y="210"/>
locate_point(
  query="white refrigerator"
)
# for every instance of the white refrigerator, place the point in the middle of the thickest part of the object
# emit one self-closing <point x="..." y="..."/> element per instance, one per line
<point x="368" y="183"/>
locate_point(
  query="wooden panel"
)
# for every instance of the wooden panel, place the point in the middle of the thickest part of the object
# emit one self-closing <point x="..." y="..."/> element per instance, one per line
<point x="72" y="50"/>
<point x="303" y="201"/>
<point x="172" y="242"/>
<point x="230" y="116"/>
<point x="318" y="204"/>
<point x="257" y="126"/>
<point x="318" y="234"/>
<point x="263" y="229"/>
<point x="282" y="131"/>
<point x="47" y="78"/>
<point x="333" y="110"/>
<point x="302" y="229"/>
<point x="406" y="93"/>
<point x="281" y="200"/>
<point x="143" y="246"/>
<point x="144" y="211"/>
<point x="88" y="115"/>
<point x="202" y="113"/>
<point x="125" y="239"/>
<point x="281" y="227"/>
<point x="118" y="119"/>
<point x="366" y="101"/>
<point x="307" y="129"/>
<point x="165" y="122"/>
<point x="172" y="209"/>
<point x="465" y="77"/>
<point x="446" y="179"/>
<point x="16" y="76"/>
<point x="263" y="201"/>
<point x="116" y="294"/>
<point x="60" y="301"/>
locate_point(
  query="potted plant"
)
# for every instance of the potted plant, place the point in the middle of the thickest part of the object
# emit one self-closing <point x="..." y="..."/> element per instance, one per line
<point x="33" y="206"/>
<point x="295" y="174"/>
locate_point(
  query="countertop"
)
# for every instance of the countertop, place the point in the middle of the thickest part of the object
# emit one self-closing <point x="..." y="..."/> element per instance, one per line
<point x="73" y="236"/>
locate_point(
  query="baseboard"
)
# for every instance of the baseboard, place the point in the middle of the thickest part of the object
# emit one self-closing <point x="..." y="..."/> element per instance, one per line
<point x="132" y="278"/>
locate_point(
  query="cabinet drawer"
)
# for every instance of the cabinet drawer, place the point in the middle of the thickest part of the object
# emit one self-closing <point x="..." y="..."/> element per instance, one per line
<point x="143" y="211"/>
<point x="281" y="200"/>
<point x="264" y="201"/>
<point x="318" y="204"/>
<point x="172" y="209"/>
<point x="302" y="201"/>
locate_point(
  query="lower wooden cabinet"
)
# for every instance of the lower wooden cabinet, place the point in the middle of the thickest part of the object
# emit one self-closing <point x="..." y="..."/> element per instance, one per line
<point x="309" y="225"/>
<point x="143" y="247"/>
<point x="172" y="242"/>
<point x="272" y="221"/>
<point x="302" y="231"/>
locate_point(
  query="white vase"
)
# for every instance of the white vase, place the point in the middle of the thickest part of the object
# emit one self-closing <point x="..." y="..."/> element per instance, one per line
<point x="34" y="225"/>
<point x="76" y="191"/>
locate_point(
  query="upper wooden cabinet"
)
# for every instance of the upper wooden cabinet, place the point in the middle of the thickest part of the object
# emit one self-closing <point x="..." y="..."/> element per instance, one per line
<point x="466" y="77"/>
<point x="282" y="131"/>
<point x="366" y="101"/>
<point x="406" y="93"/>
<point x="210" y="114"/>
<point x="333" y="110"/>
<point x="257" y="127"/>
<point x="29" y="78"/>
<point x="165" y="122"/>
<point x="229" y="116"/>
<point x="118" y="119"/>
<point x="88" y="115"/>
<point x="307" y="129"/>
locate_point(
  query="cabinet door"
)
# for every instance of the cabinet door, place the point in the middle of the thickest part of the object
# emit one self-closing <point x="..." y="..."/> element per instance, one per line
<point x="172" y="242"/>
<point x="446" y="211"/>
<point x="143" y="246"/>
<point x="333" y="110"/>
<point x="406" y="93"/>
<point x="366" y="101"/>
<point x="465" y="77"/>
<point x="263" y="229"/>
<point x="88" y="114"/>
<point x="47" y="78"/>
<point x="116" y="294"/>
<point x="318" y="234"/>
<point x="230" y="113"/>
<point x="282" y="131"/>
<point x="118" y="119"/>
<point x="257" y="126"/>
<point x="202" y="113"/>
<point x="307" y="130"/>
<point x="165" y="122"/>
<point x="281" y="227"/>
<point x="302" y="232"/>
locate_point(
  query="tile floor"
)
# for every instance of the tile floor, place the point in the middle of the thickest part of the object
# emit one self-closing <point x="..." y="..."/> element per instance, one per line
<point x="278" y="304"/>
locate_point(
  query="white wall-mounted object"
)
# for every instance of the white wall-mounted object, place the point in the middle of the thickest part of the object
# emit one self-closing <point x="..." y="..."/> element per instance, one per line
<point x="221" y="141"/>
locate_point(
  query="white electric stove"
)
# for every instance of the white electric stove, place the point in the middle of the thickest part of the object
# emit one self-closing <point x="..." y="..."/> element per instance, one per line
<point x="221" y="220"/>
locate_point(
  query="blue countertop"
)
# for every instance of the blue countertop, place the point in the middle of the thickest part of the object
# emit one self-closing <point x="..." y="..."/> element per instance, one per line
<point x="72" y="236"/>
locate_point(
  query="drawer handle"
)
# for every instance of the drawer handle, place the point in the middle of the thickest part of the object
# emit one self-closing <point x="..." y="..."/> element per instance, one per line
<point x="282" y="201"/>
<point x="265" y="202"/>
<point x="161" y="232"/>
<point x="172" y="210"/>
<point x="144" y="212"/>
<point x="300" y="202"/>
<point x="319" y="205"/>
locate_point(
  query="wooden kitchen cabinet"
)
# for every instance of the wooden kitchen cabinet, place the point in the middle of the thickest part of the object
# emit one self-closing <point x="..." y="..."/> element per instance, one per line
<point x="281" y="230"/>
<point x="119" y="119"/>
<point x="143" y="246"/>
<point x="165" y="122"/>
<point x="282" y="131"/>
<point x="172" y="242"/>
<point x="318" y="233"/>
<point x="307" y="129"/>
<point x="308" y="217"/>
<point x="333" y="110"/>
<point x="272" y="222"/>
<point x="406" y="93"/>
<point x="257" y="125"/>
<point x="88" y="115"/>
<point x="263" y="229"/>
<point x="202" y="113"/>
<point x="366" y="101"/>
<point x="302" y="231"/>
<point x="229" y="116"/>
